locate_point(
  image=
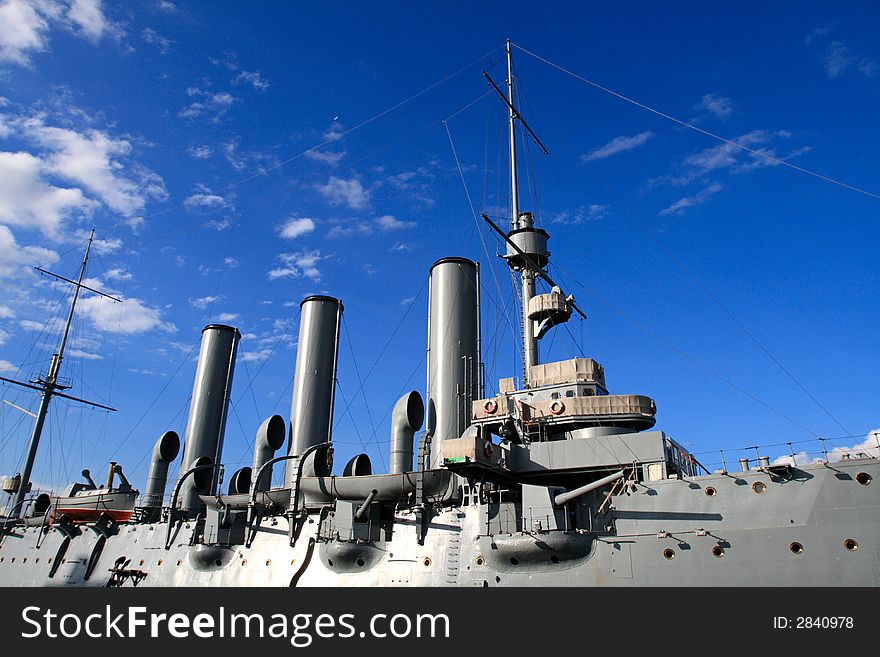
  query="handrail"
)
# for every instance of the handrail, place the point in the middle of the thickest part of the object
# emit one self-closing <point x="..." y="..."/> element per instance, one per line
<point x="171" y="516"/>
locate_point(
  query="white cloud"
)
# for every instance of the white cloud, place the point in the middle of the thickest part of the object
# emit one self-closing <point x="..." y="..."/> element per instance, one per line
<point x="85" y="355"/>
<point x="618" y="145"/>
<point x="296" y="226"/>
<point x="583" y="213"/>
<point x="6" y="366"/>
<point x="227" y="317"/>
<point x="152" y="37"/>
<point x="203" y="302"/>
<point x="27" y="25"/>
<point x="119" y="274"/>
<point x="837" y="59"/>
<point x="326" y="157"/>
<point x="255" y="356"/>
<point x="200" y="152"/>
<point x="389" y="222"/>
<point x="87" y="19"/>
<point x="93" y="159"/>
<point x="4" y="336"/>
<point x="230" y="262"/>
<point x="340" y="191"/>
<point x="27" y="200"/>
<point x="25" y="29"/>
<point x="203" y="198"/>
<point x="6" y="312"/>
<point x="866" y="448"/>
<point x="717" y="105"/>
<point x="296" y="265"/>
<point x="13" y="255"/>
<point x="683" y="204"/>
<point x="132" y="316"/>
<point x="252" y="78"/>
<point x="214" y="104"/>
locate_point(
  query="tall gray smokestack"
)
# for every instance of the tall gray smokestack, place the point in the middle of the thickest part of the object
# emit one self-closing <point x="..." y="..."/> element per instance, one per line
<point x="406" y="419"/>
<point x="314" y="380"/>
<point x="164" y="452"/>
<point x="270" y="437"/>
<point x="207" y="412"/>
<point x="453" y="355"/>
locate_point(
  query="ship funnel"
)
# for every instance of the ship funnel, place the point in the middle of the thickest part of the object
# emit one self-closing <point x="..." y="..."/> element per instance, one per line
<point x="406" y="419"/>
<point x="453" y="354"/>
<point x="270" y="438"/>
<point x="314" y="381"/>
<point x="207" y="413"/>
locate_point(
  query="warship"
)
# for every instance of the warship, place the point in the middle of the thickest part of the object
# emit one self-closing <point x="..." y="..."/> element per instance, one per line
<point x="553" y="481"/>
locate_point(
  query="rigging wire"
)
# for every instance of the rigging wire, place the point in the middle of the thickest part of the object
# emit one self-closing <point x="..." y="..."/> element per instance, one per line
<point x="730" y="142"/>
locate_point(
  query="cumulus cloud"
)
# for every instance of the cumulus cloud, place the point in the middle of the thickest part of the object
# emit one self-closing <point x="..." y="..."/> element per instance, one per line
<point x="295" y="265"/>
<point x="26" y="199"/>
<point x="213" y="105"/>
<point x="867" y="448"/>
<point x="27" y="25"/>
<point x="296" y="226"/>
<point x="326" y="157"/>
<point x="202" y="198"/>
<point x="131" y="317"/>
<point x="14" y="256"/>
<point x="203" y="302"/>
<point x="202" y="152"/>
<point x="618" y="145"/>
<point x="341" y="191"/>
<point x="34" y="184"/>
<point x="389" y="222"/>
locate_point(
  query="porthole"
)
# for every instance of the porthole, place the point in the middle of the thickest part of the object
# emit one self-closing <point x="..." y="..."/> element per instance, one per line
<point x="159" y="563"/>
<point x="141" y="563"/>
<point x="13" y="560"/>
<point x="37" y="560"/>
<point x="718" y="551"/>
<point x="514" y="561"/>
<point x="179" y="562"/>
<point x="851" y="544"/>
<point x="360" y="563"/>
<point x="796" y="548"/>
<point x="292" y="561"/>
<point x="330" y="562"/>
<point x="244" y="562"/>
<point x="24" y="560"/>
<point x="710" y="491"/>
<point x="217" y="563"/>
<point x="669" y="554"/>
<point x="427" y="561"/>
<point x="480" y="561"/>
<point x="1" y="559"/>
<point x="864" y="478"/>
<point x="268" y="562"/>
<point x="759" y="487"/>
<point x="554" y="559"/>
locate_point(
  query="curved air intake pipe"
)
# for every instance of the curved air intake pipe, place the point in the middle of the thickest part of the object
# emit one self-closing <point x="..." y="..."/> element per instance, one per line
<point x="406" y="419"/>
<point x="453" y="352"/>
<point x="207" y="413"/>
<point x="314" y="381"/>
<point x="270" y="438"/>
<point x="164" y="452"/>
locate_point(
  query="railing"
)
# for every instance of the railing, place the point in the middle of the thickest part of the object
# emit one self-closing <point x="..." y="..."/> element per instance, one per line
<point x="796" y="453"/>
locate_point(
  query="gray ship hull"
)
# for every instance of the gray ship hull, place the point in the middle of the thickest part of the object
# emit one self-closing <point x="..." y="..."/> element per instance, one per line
<point x="814" y="525"/>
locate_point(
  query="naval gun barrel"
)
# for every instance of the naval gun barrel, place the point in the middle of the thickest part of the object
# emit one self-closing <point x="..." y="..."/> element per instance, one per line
<point x="564" y="498"/>
<point x="362" y="509"/>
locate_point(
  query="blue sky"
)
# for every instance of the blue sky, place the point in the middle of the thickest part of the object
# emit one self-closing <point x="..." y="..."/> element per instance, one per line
<point x="182" y="133"/>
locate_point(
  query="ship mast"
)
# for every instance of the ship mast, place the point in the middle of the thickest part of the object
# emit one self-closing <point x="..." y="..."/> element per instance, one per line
<point x="50" y="386"/>
<point x="527" y="252"/>
<point x="519" y="221"/>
